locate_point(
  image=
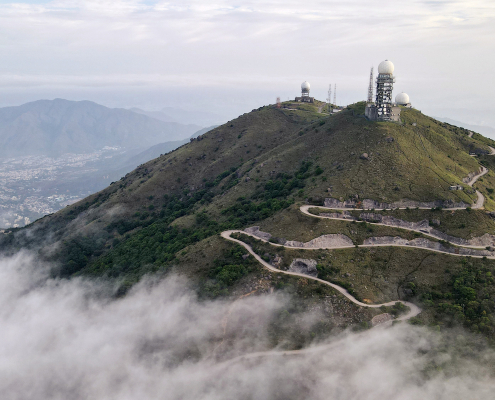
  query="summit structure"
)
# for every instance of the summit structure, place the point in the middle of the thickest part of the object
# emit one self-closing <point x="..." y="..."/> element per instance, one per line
<point x="383" y="109"/>
<point x="305" y="98"/>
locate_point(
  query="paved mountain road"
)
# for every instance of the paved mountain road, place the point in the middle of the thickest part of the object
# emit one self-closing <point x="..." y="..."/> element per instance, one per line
<point x="414" y="309"/>
<point x="305" y="210"/>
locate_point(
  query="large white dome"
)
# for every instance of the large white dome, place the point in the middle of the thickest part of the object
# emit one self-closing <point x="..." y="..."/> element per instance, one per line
<point x="386" y="67"/>
<point x="402" y="98"/>
<point x="305" y="86"/>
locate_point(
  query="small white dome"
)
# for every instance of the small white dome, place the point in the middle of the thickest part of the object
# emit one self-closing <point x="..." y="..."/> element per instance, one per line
<point x="402" y="98"/>
<point x="386" y="67"/>
<point x="305" y="86"/>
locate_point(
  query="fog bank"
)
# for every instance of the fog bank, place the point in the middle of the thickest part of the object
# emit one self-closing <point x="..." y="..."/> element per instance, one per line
<point x="71" y="340"/>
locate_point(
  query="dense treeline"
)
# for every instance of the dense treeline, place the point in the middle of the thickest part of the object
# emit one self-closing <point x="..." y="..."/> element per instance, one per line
<point x="149" y="240"/>
<point x="468" y="298"/>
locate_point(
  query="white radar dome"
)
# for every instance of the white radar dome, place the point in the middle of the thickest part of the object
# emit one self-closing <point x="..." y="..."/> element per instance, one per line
<point x="305" y="86"/>
<point x="402" y="98"/>
<point x="386" y="67"/>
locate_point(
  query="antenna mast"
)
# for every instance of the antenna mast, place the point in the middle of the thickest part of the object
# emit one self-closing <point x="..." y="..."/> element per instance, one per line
<point x="335" y="95"/>
<point x="329" y="98"/>
<point x="370" y="87"/>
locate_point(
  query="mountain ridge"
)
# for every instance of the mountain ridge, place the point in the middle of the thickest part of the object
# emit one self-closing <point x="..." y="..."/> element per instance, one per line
<point x="259" y="169"/>
<point x="54" y="127"/>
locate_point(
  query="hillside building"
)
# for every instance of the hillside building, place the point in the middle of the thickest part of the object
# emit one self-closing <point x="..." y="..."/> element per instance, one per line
<point x="305" y="98"/>
<point x="402" y="99"/>
<point x="383" y="109"/>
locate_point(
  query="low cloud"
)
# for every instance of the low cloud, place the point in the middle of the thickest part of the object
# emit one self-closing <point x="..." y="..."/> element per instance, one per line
<point x="71" y="339"/>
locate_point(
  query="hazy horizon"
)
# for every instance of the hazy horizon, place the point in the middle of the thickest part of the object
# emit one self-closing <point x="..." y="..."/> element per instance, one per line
<point x="229" y="57"/>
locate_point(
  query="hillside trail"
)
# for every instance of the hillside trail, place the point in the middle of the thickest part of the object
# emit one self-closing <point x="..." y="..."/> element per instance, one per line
<point x="470" y="134"/>
<point x="305" y="210"/>
<point x="320" y="108"/>
<point x="414" y="309"/>
<point x="478" y="204"/>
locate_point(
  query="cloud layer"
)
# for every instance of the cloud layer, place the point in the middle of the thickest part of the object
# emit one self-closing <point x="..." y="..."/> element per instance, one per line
<point x="70" y="339"/>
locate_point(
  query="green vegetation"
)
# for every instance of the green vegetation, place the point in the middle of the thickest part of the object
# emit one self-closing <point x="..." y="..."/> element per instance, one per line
<point x="258" y="169"/>
<point x="396" y="310"/>
<point x="156" y="241"/>
<point x="467" y="297"/>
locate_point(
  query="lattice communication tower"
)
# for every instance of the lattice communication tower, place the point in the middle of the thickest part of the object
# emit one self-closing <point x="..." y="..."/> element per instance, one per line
<point x="384" y="87"/>
<point x="329" y="98"/>
<point x="370" y="87"/>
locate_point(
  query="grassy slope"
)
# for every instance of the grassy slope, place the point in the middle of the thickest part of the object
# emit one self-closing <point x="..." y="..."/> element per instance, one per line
<point x="419" y="164"/>
<point x="266" y="142"/>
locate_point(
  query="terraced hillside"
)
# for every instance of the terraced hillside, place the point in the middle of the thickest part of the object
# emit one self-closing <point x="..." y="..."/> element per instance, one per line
<point x="259" y="169"/>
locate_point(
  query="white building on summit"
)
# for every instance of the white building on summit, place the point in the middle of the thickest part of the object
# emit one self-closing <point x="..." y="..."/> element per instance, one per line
<point x="383" y="109"/>
<point x="402" y="99"/>
<point x="305" y="88"/>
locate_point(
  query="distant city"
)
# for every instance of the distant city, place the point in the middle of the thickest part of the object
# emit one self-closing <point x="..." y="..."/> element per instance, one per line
<point x="30" y="186"/>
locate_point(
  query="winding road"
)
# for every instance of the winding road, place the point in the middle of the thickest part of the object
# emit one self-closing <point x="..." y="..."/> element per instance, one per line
<point x="414" y="309"/>
<point x="305" y="210"/>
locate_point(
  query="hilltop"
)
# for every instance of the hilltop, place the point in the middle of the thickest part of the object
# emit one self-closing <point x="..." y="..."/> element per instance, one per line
<point x="259" y="169"/>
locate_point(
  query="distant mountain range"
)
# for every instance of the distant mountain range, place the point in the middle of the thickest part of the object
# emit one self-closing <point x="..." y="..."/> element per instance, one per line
<point x="171" y="114"/>
<point x="157" y="150"/>
<point x="484" y="130"/>
<point x="55" y="127"/>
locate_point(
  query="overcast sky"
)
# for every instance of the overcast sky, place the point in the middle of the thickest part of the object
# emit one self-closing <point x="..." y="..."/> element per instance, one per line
<point x="229" y="56"/>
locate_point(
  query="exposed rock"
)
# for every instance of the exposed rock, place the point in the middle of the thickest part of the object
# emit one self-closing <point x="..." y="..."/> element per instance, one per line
<point x="381" y="319"/>
<point x="277" y="261"/>
<point x="427" y="244"/>
<point x="390" y="139"/>
<point x="368" y="204"/>
<point x="323" y="242"/>
<point x="255" y="231"/>
<point x="304" y="266"/>
<point x="364" y="156"/>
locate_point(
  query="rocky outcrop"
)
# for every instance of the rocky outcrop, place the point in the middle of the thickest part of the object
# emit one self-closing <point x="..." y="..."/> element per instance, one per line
<point x="344" y="214"/>
<point x="421" y="226"/>
<point x="304" y="266"/>
<point x="255" y="231"/>
<point x="426" y="244"/>
<point x="471" y="176"/>
<point x="381" y="319"/>
<point x="321" y="242"/>
<point x="424" y="226"/>
<point x="368" y="204"/>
